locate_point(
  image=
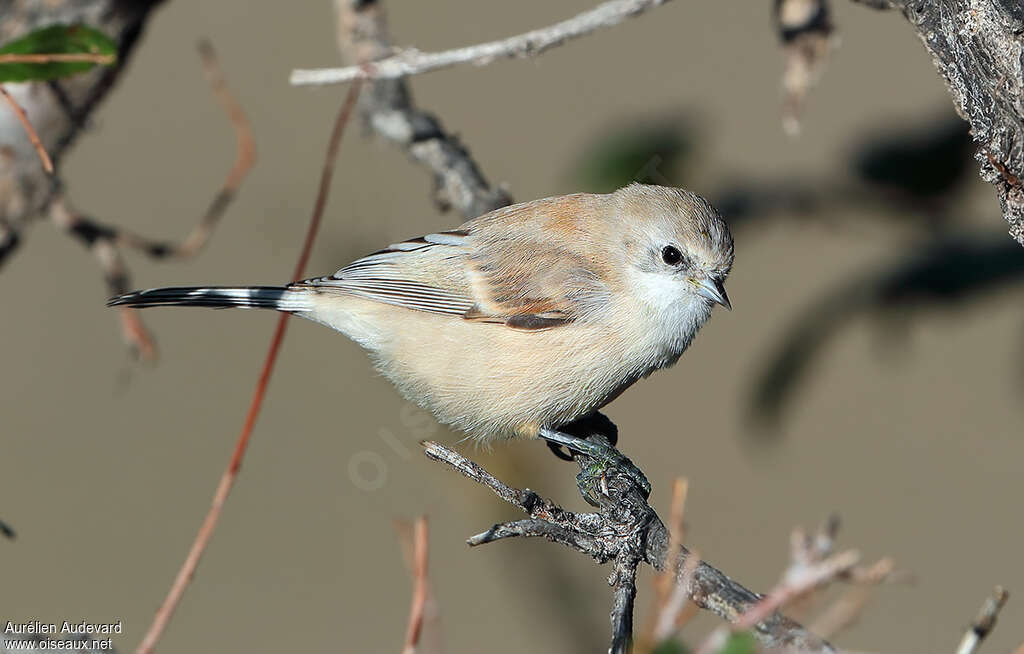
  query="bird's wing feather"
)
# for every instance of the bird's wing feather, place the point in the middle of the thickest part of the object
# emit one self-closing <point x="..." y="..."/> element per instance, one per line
<point x="497" y="268"/>
<point x="424" y="274"/>
<point x="534" y="265"/>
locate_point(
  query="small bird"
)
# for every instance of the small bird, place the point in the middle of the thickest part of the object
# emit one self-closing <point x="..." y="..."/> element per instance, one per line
<point x="524" y="319"/>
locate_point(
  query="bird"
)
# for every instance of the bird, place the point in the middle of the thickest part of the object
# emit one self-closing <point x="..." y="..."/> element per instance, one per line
<point x="524" y="319"/>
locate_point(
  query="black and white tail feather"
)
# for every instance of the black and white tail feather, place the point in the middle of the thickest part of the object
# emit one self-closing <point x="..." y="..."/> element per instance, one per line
<point x="390" y="276"/>
<point x="218" y="297"/>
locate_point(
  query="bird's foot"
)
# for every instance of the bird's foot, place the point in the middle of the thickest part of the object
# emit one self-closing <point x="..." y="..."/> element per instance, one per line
<point x="604" y="456"/>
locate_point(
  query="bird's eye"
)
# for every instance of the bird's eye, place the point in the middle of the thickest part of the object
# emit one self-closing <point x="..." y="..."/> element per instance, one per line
<point x="671" y="255"/>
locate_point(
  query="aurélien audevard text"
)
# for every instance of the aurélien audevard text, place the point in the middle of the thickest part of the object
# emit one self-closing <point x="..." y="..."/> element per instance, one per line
<point x="33" y="627"/>
<point x="36" y="635"/>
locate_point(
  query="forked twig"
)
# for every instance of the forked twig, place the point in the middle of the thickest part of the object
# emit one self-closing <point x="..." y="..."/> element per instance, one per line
<point x="626" y="530"/>
<point x="105" y="241"/>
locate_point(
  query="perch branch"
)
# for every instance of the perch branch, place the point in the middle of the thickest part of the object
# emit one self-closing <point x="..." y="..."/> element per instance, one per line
<point x="389" y="110"/>
<point x="626" y="530"/>
<point x="412" y="62"/>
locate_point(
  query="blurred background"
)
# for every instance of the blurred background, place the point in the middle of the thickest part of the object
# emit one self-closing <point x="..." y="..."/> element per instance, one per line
<point x="872" y="366"/>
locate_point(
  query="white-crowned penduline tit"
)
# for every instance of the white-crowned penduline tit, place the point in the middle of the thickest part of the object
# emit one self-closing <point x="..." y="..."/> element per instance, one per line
<point x="526" y="318"/>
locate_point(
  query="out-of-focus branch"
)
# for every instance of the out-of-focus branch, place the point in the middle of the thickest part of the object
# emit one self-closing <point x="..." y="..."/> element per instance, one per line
<point x="626" y="530"/>
<point x="984" y="623"/>
<point x="388" y="108"/>
<point x="59" y="109"/>
<point x="30" y="131"/>
<point x="805" y="29"/>
<point x="420" y="547"/>
<point x="978" y="48"/>
<point x="106" y="241"/>
<point x="534" y="42"/>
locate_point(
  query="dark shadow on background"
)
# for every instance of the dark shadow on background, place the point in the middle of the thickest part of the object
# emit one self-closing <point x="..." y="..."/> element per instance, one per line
<point x="907" y="176"/>
<point x="950" y="273"/>
<point x="651" y="149"/>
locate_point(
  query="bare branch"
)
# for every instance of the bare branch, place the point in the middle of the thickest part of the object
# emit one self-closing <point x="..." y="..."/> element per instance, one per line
<point x="984" y="623"/>
<point x="847" y="609"/>
<point x="806" y="32"/>
<point x="44" y="158"/>
<point x="978" y="48"/>
<point x="105" y="241"/>
<point x="389" y="110"/>
<point x="626" y="530"/>
<point x="412" y="62"/>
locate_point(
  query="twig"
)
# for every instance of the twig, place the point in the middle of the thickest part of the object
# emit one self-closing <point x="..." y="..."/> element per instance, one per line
<point x="420" y="594"/>
<point x="7" y="531"/>
<point x="627" y="530"/>
<point x="806" y="32"/>
<point x="795" y="586"/>
<point x="670" y="586"/>
<point x="623" y="582"/>
<point x="32" y="136"/>
<point x="984" y="623"/>
<point x="847" y="609"/>
<point x="245" y="157"/>
<point x="166" y="610"/>
<point x="65" y="57"/>
<point x="105" y="240"/>
<point x="102" y="242"/>
<point x="811" y="567"/>
<point x="388" y="108"/>
<point x="412" y="62"/>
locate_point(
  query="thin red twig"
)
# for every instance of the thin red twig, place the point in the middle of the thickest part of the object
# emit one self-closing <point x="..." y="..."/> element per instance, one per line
<point x="31" y="131"/>
<point x="188" y="568"/>
<point x="420" y="590"/>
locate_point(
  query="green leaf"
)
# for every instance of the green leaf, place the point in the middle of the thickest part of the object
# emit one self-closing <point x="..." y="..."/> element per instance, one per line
<point x="56" y="39"/>
<point x="739" y="643"/>
<point x="671" y="646"/>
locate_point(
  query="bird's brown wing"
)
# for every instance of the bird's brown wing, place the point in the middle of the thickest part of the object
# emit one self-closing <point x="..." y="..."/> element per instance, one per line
<point x="505" y="267"/>
<point x="533" y="265"/>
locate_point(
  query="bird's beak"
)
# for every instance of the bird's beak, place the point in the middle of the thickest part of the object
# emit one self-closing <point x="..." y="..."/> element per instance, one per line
<point x="714" y="290"/>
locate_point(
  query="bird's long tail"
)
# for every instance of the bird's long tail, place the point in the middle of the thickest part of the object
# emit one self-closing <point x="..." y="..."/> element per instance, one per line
<point x="218" y="297"/>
